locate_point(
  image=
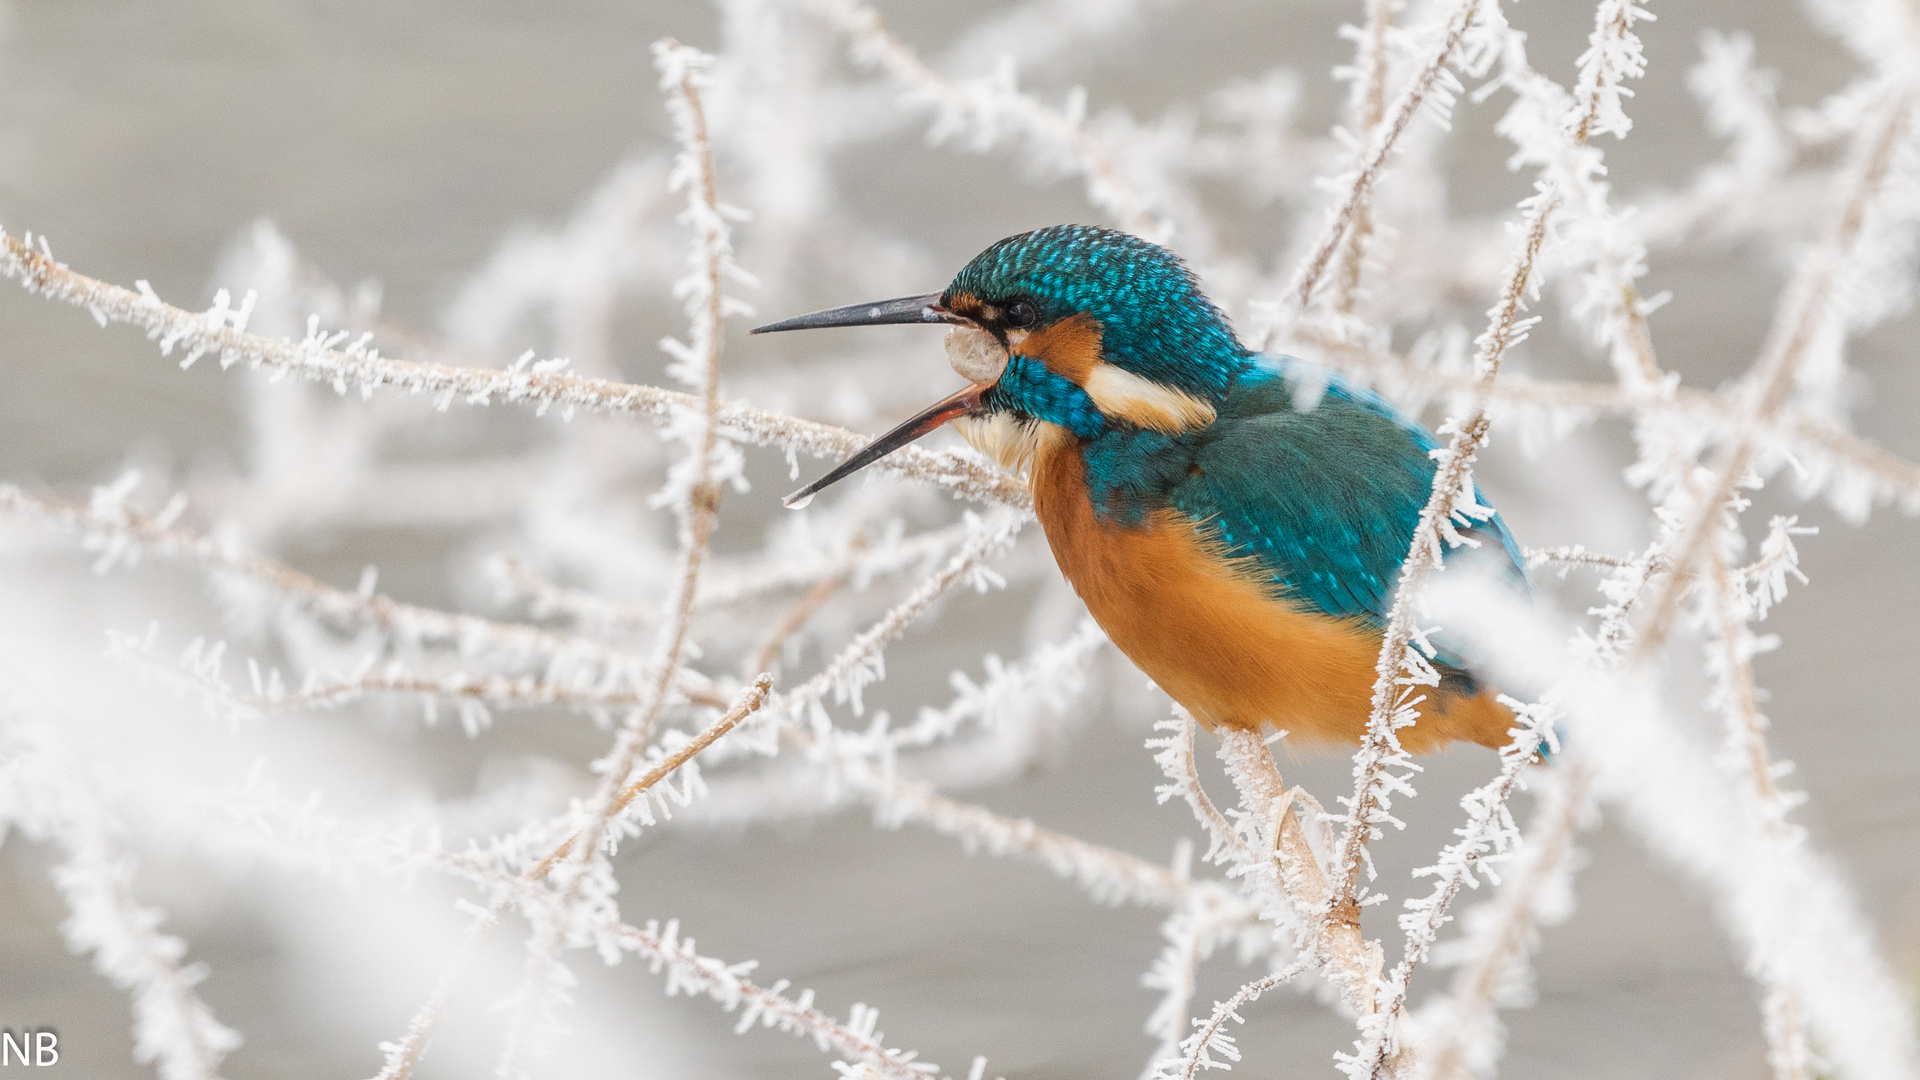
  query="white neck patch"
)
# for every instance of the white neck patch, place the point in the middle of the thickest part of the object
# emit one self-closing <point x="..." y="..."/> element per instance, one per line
<point x="1119" y="392"/>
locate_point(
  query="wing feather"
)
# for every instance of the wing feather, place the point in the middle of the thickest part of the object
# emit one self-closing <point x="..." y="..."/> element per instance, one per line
<point x="1324" y="498"/>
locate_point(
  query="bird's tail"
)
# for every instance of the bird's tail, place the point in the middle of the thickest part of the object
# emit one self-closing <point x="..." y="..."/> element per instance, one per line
<point x="1454" y="713"/>
<point x="1468" y="711"/>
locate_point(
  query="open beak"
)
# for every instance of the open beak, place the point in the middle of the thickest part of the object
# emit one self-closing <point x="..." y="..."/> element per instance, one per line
<point x="949" y="408"/>
<point x="907" y="309"/>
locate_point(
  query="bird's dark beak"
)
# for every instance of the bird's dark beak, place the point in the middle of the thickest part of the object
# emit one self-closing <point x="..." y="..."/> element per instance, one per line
<point x="907" y="309"/>
<point x="949" y="408"/>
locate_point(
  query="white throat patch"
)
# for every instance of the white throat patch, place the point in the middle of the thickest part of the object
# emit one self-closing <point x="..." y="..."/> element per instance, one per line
<point x="1011" y="443"/>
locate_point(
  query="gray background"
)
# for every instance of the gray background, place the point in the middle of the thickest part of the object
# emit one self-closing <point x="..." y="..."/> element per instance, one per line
<point x="400" y="141"/>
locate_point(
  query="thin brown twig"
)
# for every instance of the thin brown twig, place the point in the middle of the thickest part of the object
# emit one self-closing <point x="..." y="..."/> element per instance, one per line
<point x="800" y="613"/>
<point x="749" y="702"/>
<point x="403" y="1056"/>
<point x="1194" y="1050"/>
<point x="988" y="540"/>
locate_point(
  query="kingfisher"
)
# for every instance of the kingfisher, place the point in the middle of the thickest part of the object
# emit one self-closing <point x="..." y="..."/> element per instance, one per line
<point x="1234" y="520"/>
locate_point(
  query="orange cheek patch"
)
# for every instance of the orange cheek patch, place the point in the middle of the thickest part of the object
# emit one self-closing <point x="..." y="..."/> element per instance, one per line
<point x="1069" y="348"/>
<point x="966" y="305"/>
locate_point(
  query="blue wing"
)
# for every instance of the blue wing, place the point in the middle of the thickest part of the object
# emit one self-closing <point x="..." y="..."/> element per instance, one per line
<point x="1322" y="483"/>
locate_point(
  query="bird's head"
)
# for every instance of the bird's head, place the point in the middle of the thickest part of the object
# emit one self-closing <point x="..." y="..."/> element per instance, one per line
<point x="1072" y="327"/>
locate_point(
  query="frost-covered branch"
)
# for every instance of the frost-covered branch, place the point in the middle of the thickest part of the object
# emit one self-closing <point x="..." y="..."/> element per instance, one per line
<point x="404" y="1055"/>
<point x="1288" y="869"/>
<point x="1814" y="316"/>
<point x="667" y="763"/>
<point x="1488" y="837"/>
<point x="1432" y="87"/>
<point x="283" y="830"/>
<point x="1210" y="918"/>
<point x="865" y="763"/>
<point x="1106" y="874"/>
<point x="1781" y="902"/>
<point x="983" y="108"/>
<point x="796" y="617"/>
<point x="221" y="332"/>
<point x="1210" y="1035"/>
<point x="1730" y="603"/>
<point x="1381" y="765"/>
<point x="728" y="582"/>
<point x="1174" y="755"/>
<point x="401" y="1057"/>
<point x="856" y="1039"/>
<point x="859" y="664"/>
<point x="1402" y="667"/>
<point x="119" y="536"/>
<point x="1501" y="934"/>
<point x="1854" y="473"/>
<point x="47" y="793"/>
<point x="197" y="670"/>
<point x="693" y="486"/>
<point x="1366" y="109"/>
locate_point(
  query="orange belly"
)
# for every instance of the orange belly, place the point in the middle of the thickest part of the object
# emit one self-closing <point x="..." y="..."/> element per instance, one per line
<point x="1213" y="635"/>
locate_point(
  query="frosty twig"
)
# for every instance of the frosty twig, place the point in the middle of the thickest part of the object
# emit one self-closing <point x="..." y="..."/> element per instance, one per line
<point x="984" y="105"/>
<point x="221" y="332"/>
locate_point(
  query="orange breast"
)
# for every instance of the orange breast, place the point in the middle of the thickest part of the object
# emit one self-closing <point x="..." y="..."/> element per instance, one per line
<point x="1213" y="636"/>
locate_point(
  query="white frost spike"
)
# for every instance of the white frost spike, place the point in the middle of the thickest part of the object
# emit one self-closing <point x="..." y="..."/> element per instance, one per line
<point x="976" y="355"/>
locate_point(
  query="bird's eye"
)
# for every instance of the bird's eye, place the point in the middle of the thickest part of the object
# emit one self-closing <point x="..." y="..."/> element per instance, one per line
<point x="1020" y="313"/>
